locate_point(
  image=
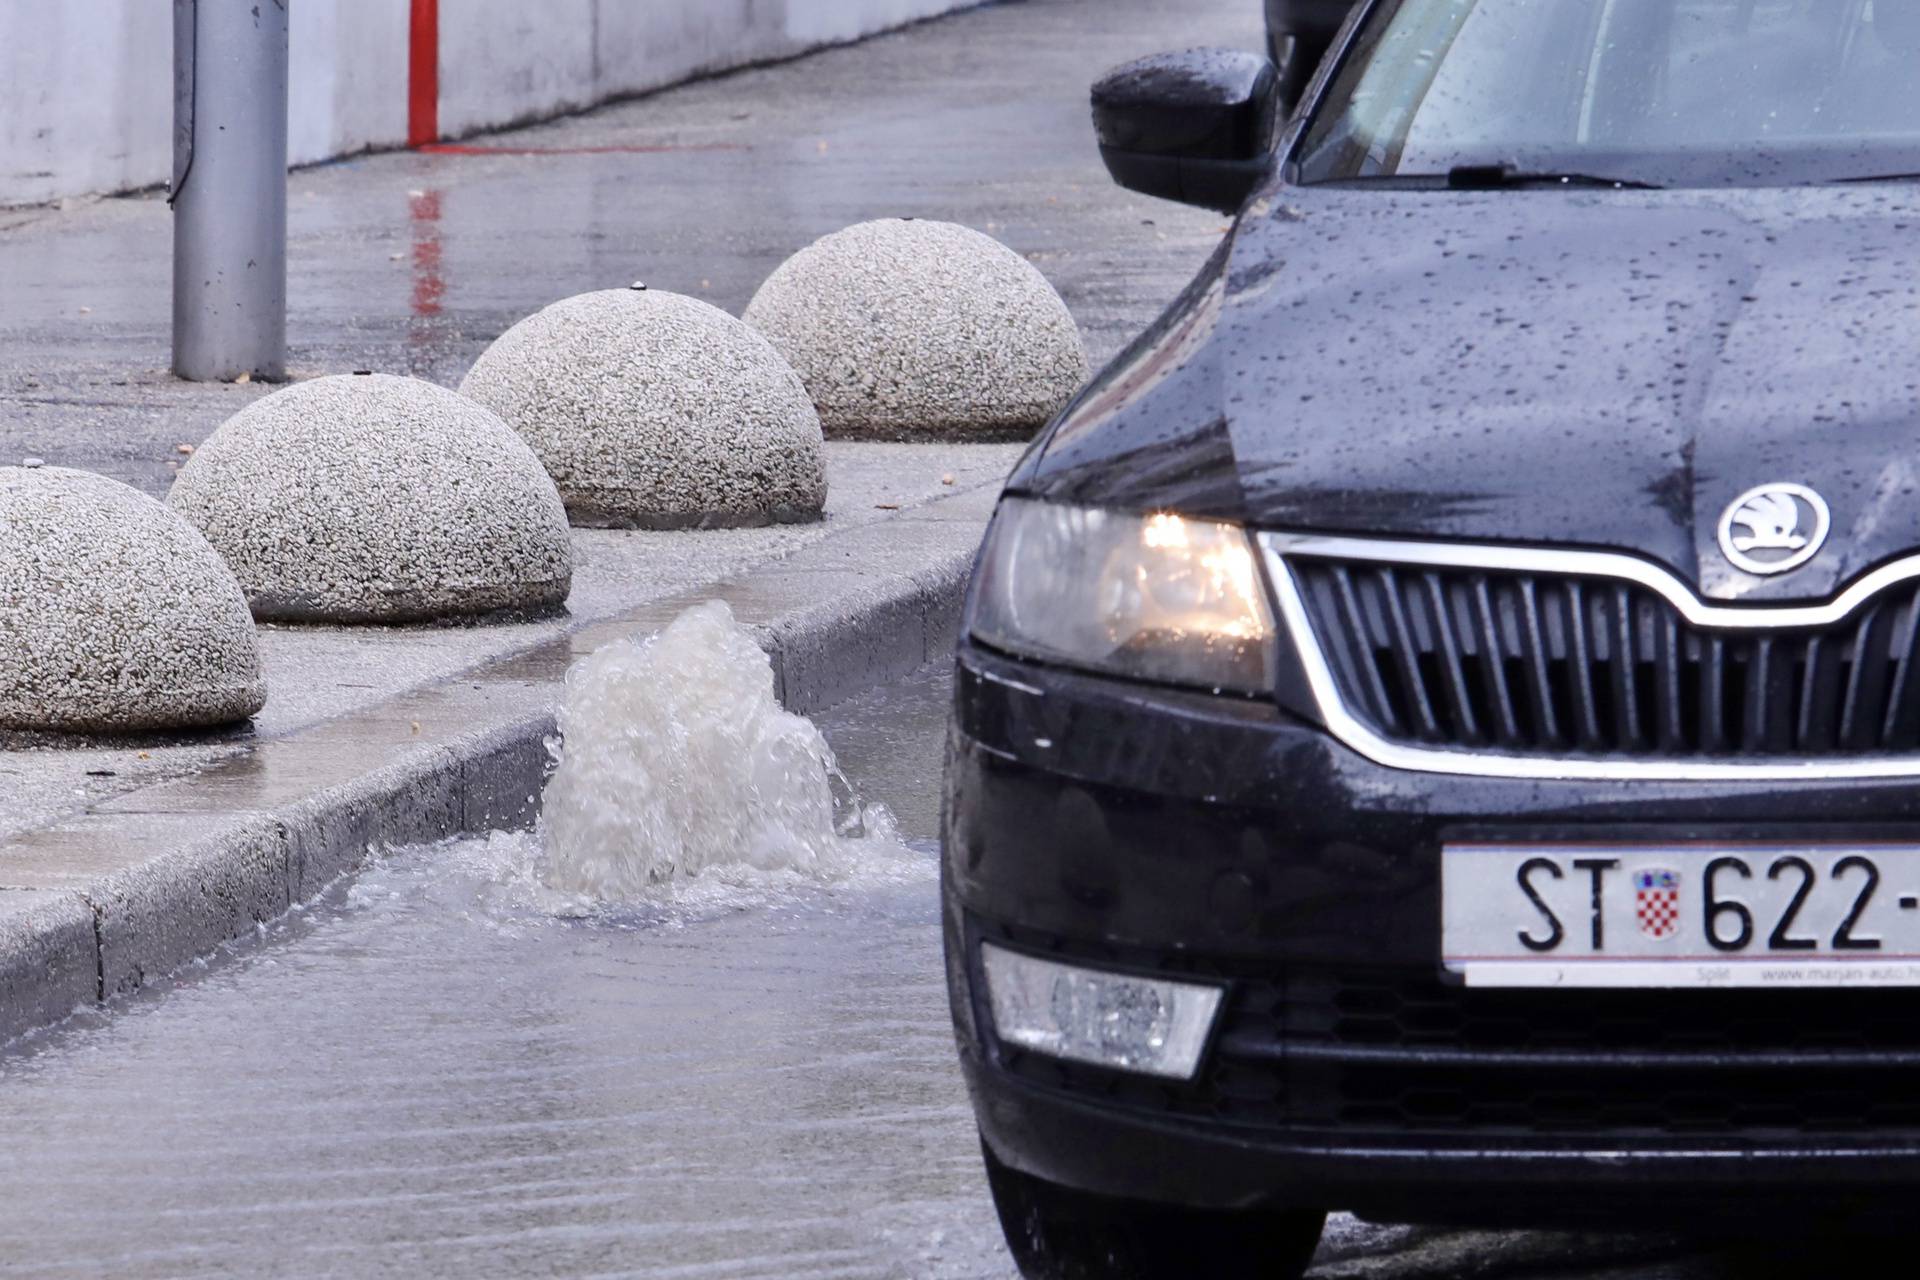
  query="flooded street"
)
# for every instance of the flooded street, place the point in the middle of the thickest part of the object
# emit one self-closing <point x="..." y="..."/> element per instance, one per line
<point x="424" y="1075"/>
<point x="433" y="1073"/>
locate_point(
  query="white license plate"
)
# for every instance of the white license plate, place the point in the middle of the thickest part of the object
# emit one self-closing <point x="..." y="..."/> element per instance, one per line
<point x="1682" y="915"/>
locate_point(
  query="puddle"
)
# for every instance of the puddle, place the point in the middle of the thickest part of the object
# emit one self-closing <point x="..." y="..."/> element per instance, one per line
<point x="499" y="882"/>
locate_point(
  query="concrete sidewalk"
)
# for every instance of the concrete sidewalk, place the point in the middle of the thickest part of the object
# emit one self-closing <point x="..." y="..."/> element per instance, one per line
<point x="121" y="860"/>
<point x="154" y="870"/>
<point x="412" y="262"/>
<point x="315" y="674"/>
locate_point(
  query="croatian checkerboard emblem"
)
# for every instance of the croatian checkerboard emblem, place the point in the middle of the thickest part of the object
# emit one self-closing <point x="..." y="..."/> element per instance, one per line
<point x="1656" y="901"/>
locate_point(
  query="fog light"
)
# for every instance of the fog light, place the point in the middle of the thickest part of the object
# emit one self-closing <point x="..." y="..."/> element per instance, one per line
<point x="1148" y="1025"/>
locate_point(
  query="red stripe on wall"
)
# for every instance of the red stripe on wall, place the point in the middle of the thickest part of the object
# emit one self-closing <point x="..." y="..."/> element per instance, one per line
<point x="423" y="74"/>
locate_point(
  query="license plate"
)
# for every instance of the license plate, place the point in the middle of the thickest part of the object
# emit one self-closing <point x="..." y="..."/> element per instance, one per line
<point x="1681" y="915"/>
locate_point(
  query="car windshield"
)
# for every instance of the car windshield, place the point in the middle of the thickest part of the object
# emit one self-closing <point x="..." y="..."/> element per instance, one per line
<point x="1666" y="92"/>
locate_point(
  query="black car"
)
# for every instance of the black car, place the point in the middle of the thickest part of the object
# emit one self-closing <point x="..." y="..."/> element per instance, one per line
<point x="1437" y="729"/>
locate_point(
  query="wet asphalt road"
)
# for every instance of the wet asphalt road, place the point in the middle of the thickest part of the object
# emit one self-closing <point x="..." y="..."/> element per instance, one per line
<point x="430" y="1073"/>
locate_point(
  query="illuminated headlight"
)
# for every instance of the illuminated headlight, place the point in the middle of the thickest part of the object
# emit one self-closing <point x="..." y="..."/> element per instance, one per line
<point x="1145" y="1025"/>
<point x="1155" y="597"/>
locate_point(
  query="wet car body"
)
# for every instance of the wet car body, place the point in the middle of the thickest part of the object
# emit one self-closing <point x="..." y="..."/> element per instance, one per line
<point x="1599" y="369"/>
<point x="1346" y="1073"/>
<point x="1595" y="371"/>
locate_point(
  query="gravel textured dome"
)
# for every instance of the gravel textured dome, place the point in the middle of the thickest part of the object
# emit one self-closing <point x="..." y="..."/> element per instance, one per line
<point x="654" y="410"/>
<point x="115" y="614"/>
<point x="904" y="329"/>
<point x="371" y="498"/>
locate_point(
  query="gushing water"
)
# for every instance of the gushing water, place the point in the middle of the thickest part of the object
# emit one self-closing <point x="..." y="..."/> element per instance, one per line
<point x="679" y="765"/>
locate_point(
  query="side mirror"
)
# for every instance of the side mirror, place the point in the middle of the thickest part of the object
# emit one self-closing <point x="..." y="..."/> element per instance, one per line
<point x="1197" y="127"/>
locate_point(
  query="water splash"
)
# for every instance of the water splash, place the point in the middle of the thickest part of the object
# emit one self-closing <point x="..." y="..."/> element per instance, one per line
<point x="680" y="766"/>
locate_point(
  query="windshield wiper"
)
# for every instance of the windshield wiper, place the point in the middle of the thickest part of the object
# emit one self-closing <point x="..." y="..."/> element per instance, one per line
<point x="1499" y="177"/>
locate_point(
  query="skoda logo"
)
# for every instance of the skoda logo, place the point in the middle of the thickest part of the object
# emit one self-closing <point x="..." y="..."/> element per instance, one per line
<point x="1774" y="528"/>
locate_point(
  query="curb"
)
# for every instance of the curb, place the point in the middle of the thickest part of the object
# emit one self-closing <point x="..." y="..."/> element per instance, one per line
<point x="109" y="899"/>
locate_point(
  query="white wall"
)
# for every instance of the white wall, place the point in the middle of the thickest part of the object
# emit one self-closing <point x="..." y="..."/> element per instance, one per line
<point x="813" y="22"/>
<point x="506" y="60"/>
<point x="503" y="61"/>
<point x="86" y="90"/>
<point x="86" y="96"/>
<point x="86" y="93"/>
<point x="346" y="78"/>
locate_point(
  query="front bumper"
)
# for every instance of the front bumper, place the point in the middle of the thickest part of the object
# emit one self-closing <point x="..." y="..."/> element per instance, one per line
<point x="1126" y="1153"/>
<point x="1141" y="828"/>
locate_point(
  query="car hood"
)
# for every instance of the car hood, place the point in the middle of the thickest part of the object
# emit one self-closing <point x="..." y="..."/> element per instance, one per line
<point x="1608" y="369"/>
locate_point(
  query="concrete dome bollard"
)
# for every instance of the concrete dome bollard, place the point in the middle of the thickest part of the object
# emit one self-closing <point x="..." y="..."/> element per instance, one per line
<point x="367" y="498"/>
<point x="653" y="410"/>
<point x="904" y="329"/>
<point x="115" y="614"/>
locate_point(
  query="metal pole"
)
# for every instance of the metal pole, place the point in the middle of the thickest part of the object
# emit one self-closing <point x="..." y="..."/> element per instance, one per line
<point x="230" y="189"/>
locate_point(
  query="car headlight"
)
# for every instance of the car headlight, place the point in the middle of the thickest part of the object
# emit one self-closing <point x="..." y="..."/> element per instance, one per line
<point x="1155" y="597"/>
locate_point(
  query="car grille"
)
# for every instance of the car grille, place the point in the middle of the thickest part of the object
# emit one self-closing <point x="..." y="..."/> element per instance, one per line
<point x="1563" y="665"/>
<point x="1379" y="1054"/>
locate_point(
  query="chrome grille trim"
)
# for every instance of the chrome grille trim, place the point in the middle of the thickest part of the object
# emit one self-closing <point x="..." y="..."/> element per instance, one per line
<point x="1277" y="548"/>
